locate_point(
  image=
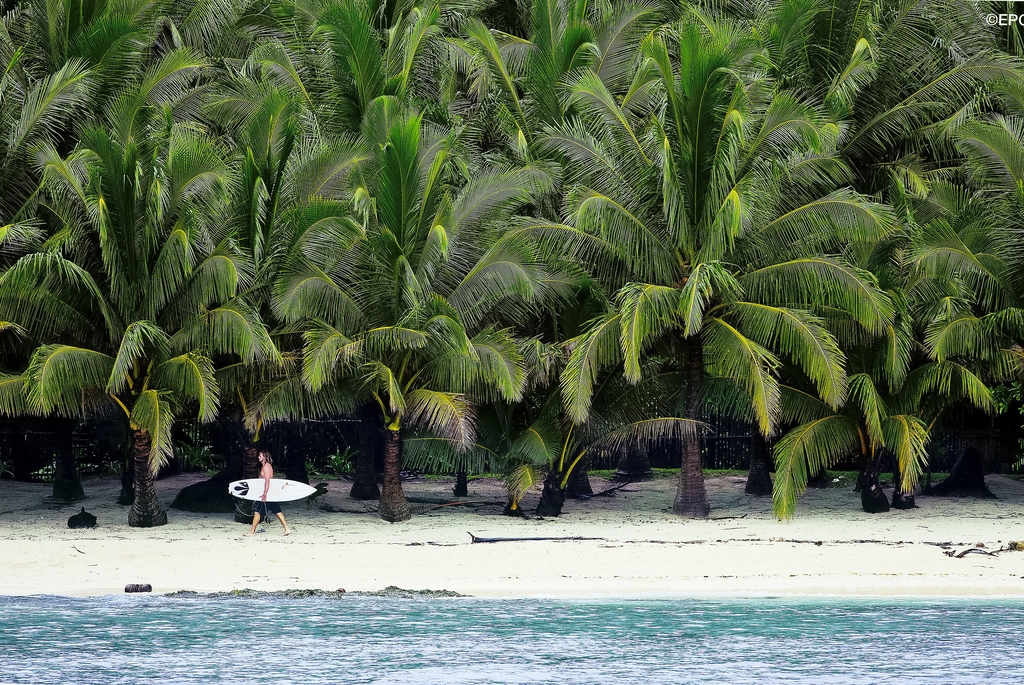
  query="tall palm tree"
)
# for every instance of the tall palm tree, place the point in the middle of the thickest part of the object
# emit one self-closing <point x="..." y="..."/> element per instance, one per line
<point x="287" y="181"/>
<point x="296" y="106"/>
<point x="712" y="206"/>
<point x="398" y="301"/>
<point x="131" y="298"/>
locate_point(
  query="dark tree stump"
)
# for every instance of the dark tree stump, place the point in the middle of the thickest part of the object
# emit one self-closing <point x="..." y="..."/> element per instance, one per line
<point x="967" y="479"/>
<point x="872" y="497"/>
<point x="515" y="512"/>
<point x="552" y="499"/>
<point x="759" y="480"/>
<point x="903" y="500"/>
<point x="82" y="519"/>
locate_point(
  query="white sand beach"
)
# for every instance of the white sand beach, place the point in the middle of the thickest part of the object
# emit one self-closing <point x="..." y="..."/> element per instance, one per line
<point x="638" y="546"/>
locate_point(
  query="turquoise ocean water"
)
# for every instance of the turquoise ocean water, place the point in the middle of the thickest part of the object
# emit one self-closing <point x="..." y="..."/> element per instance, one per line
<point x="153" y="639"/>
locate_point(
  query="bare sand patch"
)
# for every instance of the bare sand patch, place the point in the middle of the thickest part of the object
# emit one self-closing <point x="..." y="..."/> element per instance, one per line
<point x="638" y="546"/>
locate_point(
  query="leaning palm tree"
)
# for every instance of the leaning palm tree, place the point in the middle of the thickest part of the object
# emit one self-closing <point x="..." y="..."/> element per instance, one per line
<point x="623" y="416"/>
<point x="397" y="301"/>
<point x="129" y="300"/>
<point x="713" y="207"/>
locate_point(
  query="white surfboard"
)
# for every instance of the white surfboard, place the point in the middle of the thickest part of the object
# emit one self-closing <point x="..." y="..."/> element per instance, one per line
<point x="281" y="490"/>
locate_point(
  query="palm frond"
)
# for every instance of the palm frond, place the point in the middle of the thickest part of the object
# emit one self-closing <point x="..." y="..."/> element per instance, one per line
<point x="58" y="377"/>
<point x="807" y="449"/>
<point x="152" y="412"/>
<point x="190" y="377"/>
<point x="448" y="415"/>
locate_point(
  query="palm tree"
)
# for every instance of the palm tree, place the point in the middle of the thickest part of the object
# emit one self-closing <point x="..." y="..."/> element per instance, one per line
<point x="286" y="184"/>
<point x="898" y="79"/>
<point x="514" y="86"/>
<point x="623" y="416"/>
<point x="61" y="61"/>
<point x="397" y="303"/>
<point x="711" y="206"/>
<point x="891" y="74"/>
<point x="958" y="327"/>
<point x="129" y="300"/>
<point x="294" y="107"/>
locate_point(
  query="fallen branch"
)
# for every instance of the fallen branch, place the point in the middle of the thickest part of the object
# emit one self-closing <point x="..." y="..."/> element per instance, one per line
<point x="574" y="537"/>
<point x="972" y="550"/>
<point x="1012" y="547"/>
<point x="710" y="541"/>
<point x="606" y="492"/>
<point x="471" y="503"/>
<point x="331" y="509"/>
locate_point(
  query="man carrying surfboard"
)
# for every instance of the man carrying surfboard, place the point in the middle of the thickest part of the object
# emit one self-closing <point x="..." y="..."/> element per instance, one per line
<point x="261" y="507"/>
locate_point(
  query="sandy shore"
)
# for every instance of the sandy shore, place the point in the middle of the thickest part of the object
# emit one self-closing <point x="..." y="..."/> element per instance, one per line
<point x="639" y="546"/>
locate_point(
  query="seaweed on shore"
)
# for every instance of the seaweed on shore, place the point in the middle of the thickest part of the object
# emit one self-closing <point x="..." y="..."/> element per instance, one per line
<point x="297" y="593"/>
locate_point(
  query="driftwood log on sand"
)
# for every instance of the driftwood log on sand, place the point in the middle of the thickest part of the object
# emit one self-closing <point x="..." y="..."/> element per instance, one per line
<point x="531" y="539"/>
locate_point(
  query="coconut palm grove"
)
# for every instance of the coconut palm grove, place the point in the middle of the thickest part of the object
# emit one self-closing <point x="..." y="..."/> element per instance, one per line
<point x="512" y="237"/>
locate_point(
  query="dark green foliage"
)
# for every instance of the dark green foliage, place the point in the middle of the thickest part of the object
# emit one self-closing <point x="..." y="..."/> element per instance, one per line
<point x="511" y="235"/>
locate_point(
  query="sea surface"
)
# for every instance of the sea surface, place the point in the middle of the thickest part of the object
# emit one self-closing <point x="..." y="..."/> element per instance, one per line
<point x="154" y="639"/>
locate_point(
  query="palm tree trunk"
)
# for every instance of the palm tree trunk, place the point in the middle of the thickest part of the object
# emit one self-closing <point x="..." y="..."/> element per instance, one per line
<point x="578" y="483"/>
<point x="872" y="497"/>
<point x="461" y="488"/>
<point x="127" y="495"/>
<point x="250" y="469"/>
<point x="900" y="499"/>
<point x="552" y="498"/>
<point x="759" y="480"/>
<point x="393" y="505"/>
<point x="146" y="511"/>
<point x="295" y="452"/>
<point x="966" y="478"/>
<point x="364" y="480"/>
<point x="691" y="495"/>
<point x="67" y="486"/>
<point x="250" y="461"/>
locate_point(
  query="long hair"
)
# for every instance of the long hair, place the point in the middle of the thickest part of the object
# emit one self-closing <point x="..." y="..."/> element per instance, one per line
<point x="266" y="455"/>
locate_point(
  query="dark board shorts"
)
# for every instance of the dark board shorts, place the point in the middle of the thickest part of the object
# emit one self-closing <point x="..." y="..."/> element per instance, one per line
<point x="261" y="508"/>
